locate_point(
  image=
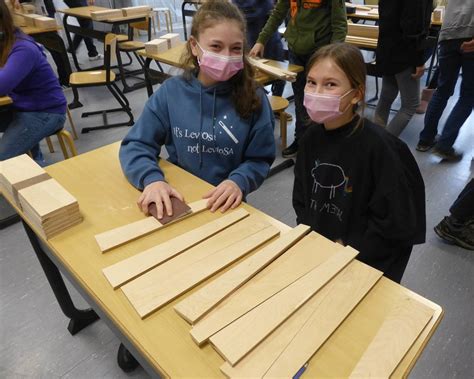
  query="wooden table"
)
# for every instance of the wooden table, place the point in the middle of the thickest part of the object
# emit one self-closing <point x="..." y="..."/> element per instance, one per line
<point x="365" y="15"/>
<point x="172" y="57"/>
<point x="5" y="101"/>
<point x="162" y="342"/>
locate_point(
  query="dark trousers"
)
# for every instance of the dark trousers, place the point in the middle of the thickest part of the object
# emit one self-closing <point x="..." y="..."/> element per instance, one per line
<point x="451" y="60"/>
<point x="302" y="118"/>
<point x="463" y="208"/>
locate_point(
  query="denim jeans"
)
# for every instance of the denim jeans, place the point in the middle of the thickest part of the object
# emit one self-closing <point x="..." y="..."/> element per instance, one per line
<point x="409" y="89"/>
<point x="22" y="132"/>
<point x="302" y="118"/>
<point x="451" y="60"/>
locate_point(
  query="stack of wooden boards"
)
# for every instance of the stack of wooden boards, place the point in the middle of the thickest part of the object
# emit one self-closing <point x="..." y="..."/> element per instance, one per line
<point x="110" y="14"/>
<point x="44" y="202"/>
<point x="162" y="44"/>
<point x="261" y="64"/>
<point x="282" y="298"/>
<point x="36" y="20"/>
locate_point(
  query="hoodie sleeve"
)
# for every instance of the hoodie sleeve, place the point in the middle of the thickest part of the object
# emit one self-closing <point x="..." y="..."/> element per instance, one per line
<point x="259" y="153"/>
<point x="141" y="147"/>
<point x="298" y="185"/>
<point x="274" y="21"/>
<point x="19" y="64"/>
<point x="338" y="21"/>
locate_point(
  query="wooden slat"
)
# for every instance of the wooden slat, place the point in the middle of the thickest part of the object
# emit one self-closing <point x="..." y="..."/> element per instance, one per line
<point x="121" y="272"/>
<point x="275" y="71"/>
<point x="154" y="289"/>
<point x="314" y="322"/>
<point x="397" y="334"/>
<point x="296" y="262"/>
<point x="239" y="338"/>
<point x="201" y="302"/>
<point x="126" y="233"/>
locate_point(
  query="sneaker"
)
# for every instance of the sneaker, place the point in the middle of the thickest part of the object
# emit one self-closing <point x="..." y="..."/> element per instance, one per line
<point x="424" y="146"/>
<point x="450" y="155"/>
<point x="457" y="233"/>
<point x="290" y="151"/>
<point x="96" y="57"/>
<point x="289" y="116"/>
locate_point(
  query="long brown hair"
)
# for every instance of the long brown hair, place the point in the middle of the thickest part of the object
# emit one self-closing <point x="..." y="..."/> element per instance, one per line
<point x="8" y="29"/>
<point x="244" y="87"/>
<point x="350" y="60"/>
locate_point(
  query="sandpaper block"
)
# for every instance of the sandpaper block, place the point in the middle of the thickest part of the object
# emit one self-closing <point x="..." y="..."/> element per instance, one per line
<point x="180" y="208"/>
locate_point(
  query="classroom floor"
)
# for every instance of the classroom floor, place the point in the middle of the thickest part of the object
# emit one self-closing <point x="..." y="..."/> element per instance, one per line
<point x="35" y="341"/>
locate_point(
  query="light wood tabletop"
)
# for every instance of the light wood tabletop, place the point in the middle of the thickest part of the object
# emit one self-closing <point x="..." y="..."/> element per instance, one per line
<point x="107" y="201"/>
<point x="85" y="12"/>
<point x="5" y="100"/>
<point x="172" y="57"/>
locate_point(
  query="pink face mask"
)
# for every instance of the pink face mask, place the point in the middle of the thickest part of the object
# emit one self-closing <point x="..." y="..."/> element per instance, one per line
<point x="220" y="67"/>
<point x="322" y="108"/>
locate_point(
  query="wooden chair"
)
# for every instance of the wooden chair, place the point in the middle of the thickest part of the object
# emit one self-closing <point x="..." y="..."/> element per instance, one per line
<point x="167" y="13"/>
<point x="105" y="77"/>
<point x="65" y="141"/>
<point x="279" y="105"/>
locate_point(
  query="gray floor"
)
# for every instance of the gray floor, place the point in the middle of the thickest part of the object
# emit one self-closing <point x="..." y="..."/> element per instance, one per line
<point x="35" y="341"/>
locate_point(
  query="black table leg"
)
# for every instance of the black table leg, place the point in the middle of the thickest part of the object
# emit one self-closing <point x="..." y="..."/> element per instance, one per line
<point x="125" y="359"/>
<point x="79" y="318"/>
<point x="287" y="163"/>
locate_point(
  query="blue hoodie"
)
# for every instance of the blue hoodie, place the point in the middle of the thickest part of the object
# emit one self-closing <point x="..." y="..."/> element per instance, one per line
<point x="180" y="116"/>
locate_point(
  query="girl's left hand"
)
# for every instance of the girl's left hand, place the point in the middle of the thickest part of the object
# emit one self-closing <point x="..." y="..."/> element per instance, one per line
<point x="226" y="195"/>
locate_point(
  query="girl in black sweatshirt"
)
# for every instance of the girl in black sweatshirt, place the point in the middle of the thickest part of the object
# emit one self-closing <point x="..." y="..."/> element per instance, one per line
<point x="354" y="182"/>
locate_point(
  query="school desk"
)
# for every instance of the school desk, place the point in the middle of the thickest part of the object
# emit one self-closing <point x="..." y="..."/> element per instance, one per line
<point x="161" y="342"/>
<point x="172" y="57"/>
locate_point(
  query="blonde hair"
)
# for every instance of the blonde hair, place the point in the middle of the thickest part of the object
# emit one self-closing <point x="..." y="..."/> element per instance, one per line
<point x="244" y="88"/>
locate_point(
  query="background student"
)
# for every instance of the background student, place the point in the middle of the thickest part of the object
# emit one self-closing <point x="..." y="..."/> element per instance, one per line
<point x="39" y="105"/>
<point x="354" y="182"/>
<point x="313" y="23"/>
<point x="213" y="120"/>
<point x="403" y="28"/>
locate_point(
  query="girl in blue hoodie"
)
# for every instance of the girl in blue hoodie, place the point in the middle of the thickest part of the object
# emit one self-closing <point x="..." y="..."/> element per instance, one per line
<point x="213" y="120"/>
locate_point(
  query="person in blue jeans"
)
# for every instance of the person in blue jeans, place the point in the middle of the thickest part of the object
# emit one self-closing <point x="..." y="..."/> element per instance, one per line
<point x="39" y="105"/>
<point x="456" y="52"/>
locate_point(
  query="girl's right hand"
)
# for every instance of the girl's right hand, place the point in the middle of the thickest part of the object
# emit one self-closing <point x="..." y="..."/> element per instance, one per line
<point x="160" y="194"/>
<point x="257" y="50"/>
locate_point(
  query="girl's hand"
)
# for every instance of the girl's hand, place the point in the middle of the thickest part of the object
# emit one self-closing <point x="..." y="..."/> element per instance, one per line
<point x="419" y="71"/>
<point x="468" y="46"/>
<point x="158" y="193"/>
<point x="226" y="195"/>
<point x="257" y="50"/>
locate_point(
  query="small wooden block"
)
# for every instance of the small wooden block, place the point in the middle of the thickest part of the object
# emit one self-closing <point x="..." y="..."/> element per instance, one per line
<point x="18" y="173"/>
<point x="46" y="198"/>
<point x="239" y="338"/>
<point x="397" y="334"/>
<point x="172" y="38"/>
<point x="201" y="302"/>
<point x="292" y="265"/>
<point x="126" y="233"/>
<point x="106" y="14"/>
<point x="311" y="325"/>
<point x="128" y="269"/>
<point x="45" y="22"/>
<point x="155" y="288"/>
<point x="156" y="46"/>
<point x="138" y="10"/>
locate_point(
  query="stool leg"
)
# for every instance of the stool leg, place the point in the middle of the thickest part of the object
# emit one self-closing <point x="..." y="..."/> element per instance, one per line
<point x="158" y="21"/>
<point x="283" y="125"/>
<point x="73" y="127"/>
<point x="63" y="146"/>
<point x="171" y="21"/>
<point x="64" y="135"/>
<point x="50" y="145"/>
<point x="167" y="22"/>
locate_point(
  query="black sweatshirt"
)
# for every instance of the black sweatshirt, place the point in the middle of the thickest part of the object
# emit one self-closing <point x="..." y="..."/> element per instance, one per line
<point x="403" y="28"/>
<point x="362" y="186"/>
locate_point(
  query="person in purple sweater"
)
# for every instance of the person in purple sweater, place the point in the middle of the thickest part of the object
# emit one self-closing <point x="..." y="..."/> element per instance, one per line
<point x="39" y="105"/>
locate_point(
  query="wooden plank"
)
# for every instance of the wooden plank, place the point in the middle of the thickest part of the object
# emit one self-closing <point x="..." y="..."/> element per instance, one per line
<point x="308" y="253"/>
<point x="20" y="172"/>
<point x="316" y="320"/>
<point x="239" y="338"/>
<point x="106" y="14"/>
<point x="360" y="30"/>
<point x="137" y="10"/>
<point x="126" y="233"/>
<point x="201" y="302"/>
<point x="154" y="289"/>
<point x="46" y="198"/>
<point x="156" y="46"/>
<point x="275" y="71"/>
<point x="397" y="334"/>
<point x="128" y="269"/>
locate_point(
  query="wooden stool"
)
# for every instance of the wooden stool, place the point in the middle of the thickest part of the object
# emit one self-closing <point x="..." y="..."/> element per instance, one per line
<point x="167" y="14"/>
<point x="64" y="137"/>
<point x="279" y="105"/>
<point x="73" y="127"/>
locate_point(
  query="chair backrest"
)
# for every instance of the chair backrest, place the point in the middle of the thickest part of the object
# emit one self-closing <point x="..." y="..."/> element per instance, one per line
<point x="110" y="52"/>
